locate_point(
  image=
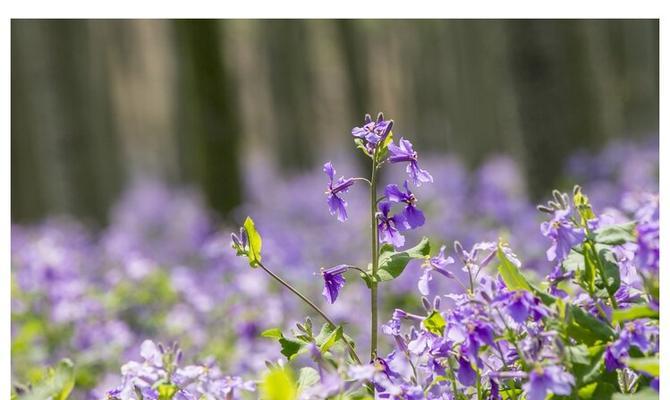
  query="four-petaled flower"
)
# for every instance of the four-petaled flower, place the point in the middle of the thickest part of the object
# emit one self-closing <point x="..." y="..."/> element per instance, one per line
<point x="336" y="204"/>
<point x="412" y="216"/>
<point x="389" y="227"/>
<point x="548" y="379"/>
<point x="521" y="304"/>
<point x="437" y="264"/>
<point x="373" y="132"/>
<point x="333" y="281"/>
<point x="405" y="153"/>
<point x="634" y="333"/>
<point x="563" y="233"/>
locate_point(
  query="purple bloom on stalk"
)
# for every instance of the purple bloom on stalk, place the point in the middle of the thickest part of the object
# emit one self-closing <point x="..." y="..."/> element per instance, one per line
<point x="437" y="264"/>
<point x="466" y="374"/>
<point x="405" y="153"/>
<point x="336" y="204"/>
<point x="545" y="380"/>
<point x="333" y="282"/>
<point x="521" y="304"/>
<point x="413" y="217"/>
<point x="563" y="233"/>
<point x="634" y="333"/>
<point x="389" y="227"/>
<point x="373" y="132"/>
<point x="648" y="252"/>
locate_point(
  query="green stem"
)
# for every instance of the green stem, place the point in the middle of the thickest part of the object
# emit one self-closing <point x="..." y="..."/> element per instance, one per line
<point x="375" y="258"/>
<point x="309" y="302"/>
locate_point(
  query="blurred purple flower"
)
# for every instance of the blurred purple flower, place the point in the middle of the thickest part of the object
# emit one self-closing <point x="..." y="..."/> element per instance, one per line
<point x="389" y="227"/>
<point x="336" y="204"/>
<point x="412" y="216"/>
<point x="548" y="379"/>
<point x="438" y="264"/>
<point x="563" y="233"/>
<point x="405" y="153"/>
<point x="333" y="282"/>
<point x="373" y="132"/>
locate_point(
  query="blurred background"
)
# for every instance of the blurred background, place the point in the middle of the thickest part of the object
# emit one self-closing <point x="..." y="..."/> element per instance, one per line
<point x="98" y="103"/>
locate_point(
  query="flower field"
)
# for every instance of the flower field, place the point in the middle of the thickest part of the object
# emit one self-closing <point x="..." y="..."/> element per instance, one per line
<point x="383" y="274"/>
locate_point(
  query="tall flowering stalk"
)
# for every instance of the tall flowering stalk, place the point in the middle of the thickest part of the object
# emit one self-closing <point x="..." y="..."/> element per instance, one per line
<point x="506" y="337"/>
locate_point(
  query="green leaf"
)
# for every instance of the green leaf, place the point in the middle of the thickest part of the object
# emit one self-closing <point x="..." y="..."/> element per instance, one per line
<point x="510" y="273"/>
<point x="273" y="333"/>
<point x="597" y="390"/>
<point x="593" y="369"/>
<point x="574" y="261"/>
<point x="585" y="328"/>
<point x="612" y="276"/>
<point x="578" y="354"/>
<point x="255" y="242"/>
<point x="589" y="274"/>
<point x="392" y="264"/>
<point x="166" y="391"/>
<point x="634" y="312"/>
<point x="644" y="394"/>
<point x="332" y="339"/>
<point x="278" y="384"/>
<point x="434" y="323"/>
<point x="615" y="234"/>
<point x="360" y="144"/>
<point x="290" y="347"/>
<point x="57" y="384"/>
<point x="307" y="377"/>
<point x="646" y="364"/>
<point x="382" y="152"/>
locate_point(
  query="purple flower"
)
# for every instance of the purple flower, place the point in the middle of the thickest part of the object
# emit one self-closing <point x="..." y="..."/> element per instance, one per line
<point x="612" y="361"/>
<point x="333" y="282"/>
<point x="466" y="374"/>
<point x="549" y="379"/>
<point x="405" y="153"/>
<point x="563" y="233"/>
<point x="437" y="264"/>
<point x="413" y="217"/>
<point x="521" y="304"/>
<point x="389" y="227"/>
<point x="634" y="333"/>
<point x="336" y="204"/>
<point x="648" y="253"/>
<point x="373" y="132"/>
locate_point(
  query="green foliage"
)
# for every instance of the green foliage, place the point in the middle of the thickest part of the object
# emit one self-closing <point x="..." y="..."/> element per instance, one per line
<point x="645" y="364"/>
<point x="434" y="323"/>
<point x="644" y="394"/>
<point x="328" y="337"/>
<point x="166" y="391"/>
<point x="634" y="312"/>
<point x="278" y="384"/>
<point x="57" y="383"/>
<point x="585" y="328"/>
<point x="307" y="377"/>
<point x="392" y="263"/>
<point x="615" y="234"/>
<point x="255" y="242"/>
<point x="510" y="273"/>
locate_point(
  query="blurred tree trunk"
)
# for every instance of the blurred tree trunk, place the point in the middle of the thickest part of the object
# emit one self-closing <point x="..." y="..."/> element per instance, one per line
<point x="208" y="128"/>
<point x="65" y="155"/>
<point x="97" y="102"/>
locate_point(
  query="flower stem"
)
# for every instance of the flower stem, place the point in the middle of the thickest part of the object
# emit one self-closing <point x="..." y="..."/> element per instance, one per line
<point x="287" y="285"/>
<point x="375" y="258"/>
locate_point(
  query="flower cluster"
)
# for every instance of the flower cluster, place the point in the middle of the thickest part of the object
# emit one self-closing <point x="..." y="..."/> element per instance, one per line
<point x="590" y="328"/>
<point x="159" y="376"/>
<point x="161" y="270"/>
